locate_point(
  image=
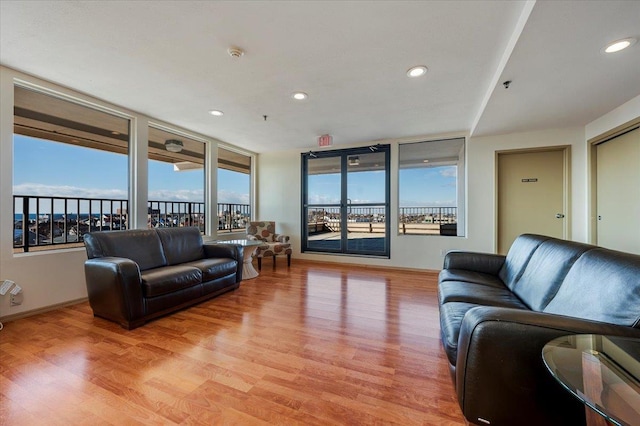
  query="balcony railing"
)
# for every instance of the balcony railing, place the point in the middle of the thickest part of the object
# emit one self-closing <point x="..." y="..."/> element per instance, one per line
<point x="233" y="217"/>
<point x="62" y="221"/>
<point x="411" y="220"/>
<point x="428" y="220"/>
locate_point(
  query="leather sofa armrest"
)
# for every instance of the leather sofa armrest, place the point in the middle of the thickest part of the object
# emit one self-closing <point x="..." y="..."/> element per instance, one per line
<point x="500" y="374"/>
<point x="114" y="288"/>
<point x="471" y="261"/>
<point x="230" y="251"/>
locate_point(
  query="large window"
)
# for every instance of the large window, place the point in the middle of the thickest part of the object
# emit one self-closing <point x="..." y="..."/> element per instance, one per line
<point x="234" y="189"/>
<point x="431" y="189"/>
<point x="176" y="180"/>
<point x="70" y="171"/>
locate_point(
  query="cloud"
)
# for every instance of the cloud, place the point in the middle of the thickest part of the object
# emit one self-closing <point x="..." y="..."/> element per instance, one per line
<point x="231" y="197"/>
<point x="68" y="191"/>
<point x="323" y="199"/>
<point x="414" y="203"/>
<point x="193" y="195"/>
<point x="449" y="171"/>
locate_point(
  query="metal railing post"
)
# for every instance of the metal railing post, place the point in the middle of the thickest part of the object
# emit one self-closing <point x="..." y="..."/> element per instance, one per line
<point x="25" y="224"/>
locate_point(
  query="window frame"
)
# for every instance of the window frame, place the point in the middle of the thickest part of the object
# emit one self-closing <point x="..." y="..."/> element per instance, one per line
<point x="461" y="165"/>
<point x="55" y="95"/>
<point x="252" y="186"/>
<point x="177" y="133"/>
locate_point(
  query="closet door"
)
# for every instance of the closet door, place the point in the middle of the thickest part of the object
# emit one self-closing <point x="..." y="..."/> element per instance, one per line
<point x="618" y="192"/>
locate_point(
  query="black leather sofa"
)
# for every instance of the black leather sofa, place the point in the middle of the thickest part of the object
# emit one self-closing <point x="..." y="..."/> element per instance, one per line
<point x="133" y="276"/>
<point x="497" y="312"/>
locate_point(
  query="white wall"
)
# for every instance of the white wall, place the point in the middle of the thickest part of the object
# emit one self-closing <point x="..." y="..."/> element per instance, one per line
<point x="279" y="181"/>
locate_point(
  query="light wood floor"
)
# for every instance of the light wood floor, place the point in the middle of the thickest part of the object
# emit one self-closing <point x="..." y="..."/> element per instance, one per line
<point x="311" y="345"/>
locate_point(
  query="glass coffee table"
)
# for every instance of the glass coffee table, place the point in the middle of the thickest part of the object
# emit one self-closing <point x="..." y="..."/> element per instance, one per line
<point x="250" y="246"/>
<point x="601" y="371"/>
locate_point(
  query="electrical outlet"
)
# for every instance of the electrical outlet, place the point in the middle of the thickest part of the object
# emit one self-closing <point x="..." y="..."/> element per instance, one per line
<point x="16" y="299"/>
<point x="6" y="285"/>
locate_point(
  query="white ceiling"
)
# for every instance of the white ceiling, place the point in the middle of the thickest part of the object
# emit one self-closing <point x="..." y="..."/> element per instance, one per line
<point x="168" y="59"/>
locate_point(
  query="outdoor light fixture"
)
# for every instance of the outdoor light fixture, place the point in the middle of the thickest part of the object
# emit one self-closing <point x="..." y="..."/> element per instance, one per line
<point x="173" y="145"/>
<point x="354" y="161"/>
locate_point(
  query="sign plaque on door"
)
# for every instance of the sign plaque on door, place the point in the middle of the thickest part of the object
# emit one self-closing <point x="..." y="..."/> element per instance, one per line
<point x="530" y="180"/>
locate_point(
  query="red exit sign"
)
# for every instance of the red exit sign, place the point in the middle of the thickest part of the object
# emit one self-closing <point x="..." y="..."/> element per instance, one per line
<point x="325" y="140"/>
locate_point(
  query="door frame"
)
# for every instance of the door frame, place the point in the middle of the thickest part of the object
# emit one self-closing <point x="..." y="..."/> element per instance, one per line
<point x="344" y="204"/>
<point x="592" y="173"/>
<point x="566" y="186"/>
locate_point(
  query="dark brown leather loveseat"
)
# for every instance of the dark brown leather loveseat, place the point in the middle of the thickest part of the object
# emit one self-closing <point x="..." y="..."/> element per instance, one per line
<point x="497" y="312"/>
<point x="136" y="275"/>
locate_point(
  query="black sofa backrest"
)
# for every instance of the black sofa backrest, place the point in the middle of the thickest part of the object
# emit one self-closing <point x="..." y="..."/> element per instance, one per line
<point x="518" y="257"/>
<point x="545" y="271"/>
<point x="181" y="245"/>
<point x="602" y="285"/>
<point x="143" y="246"/>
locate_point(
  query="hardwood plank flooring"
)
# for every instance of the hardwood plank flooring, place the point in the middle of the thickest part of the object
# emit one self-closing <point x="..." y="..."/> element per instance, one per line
<point x="313" y="344"/>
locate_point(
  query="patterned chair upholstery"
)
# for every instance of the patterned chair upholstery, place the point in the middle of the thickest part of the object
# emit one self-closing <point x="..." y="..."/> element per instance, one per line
<point x="274" y="244"/>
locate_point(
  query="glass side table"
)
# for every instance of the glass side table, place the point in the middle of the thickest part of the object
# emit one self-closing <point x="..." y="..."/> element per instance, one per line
<point x="601" y="371"/>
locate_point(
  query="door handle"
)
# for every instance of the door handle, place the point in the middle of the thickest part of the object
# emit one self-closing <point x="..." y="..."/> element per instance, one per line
<point x="559" y="215"/>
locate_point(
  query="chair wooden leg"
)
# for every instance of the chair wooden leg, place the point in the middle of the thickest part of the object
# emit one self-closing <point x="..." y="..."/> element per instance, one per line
<point x="274" y="261"/>
<point x="259" y="264"/>
<point x="289" y="260"/>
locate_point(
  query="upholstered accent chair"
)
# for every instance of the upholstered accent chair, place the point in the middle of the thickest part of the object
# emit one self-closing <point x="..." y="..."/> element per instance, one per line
<point x="274" y="244"/>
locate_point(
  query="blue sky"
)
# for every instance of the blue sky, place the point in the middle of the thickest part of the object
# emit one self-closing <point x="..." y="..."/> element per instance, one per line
<point x="420" y="187"/>
<point x="56" y="169"/>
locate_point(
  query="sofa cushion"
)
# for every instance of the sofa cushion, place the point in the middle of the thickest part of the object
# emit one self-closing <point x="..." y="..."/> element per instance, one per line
<point x="545" y="271"/>
<point x="603" y="285"/>
<point x="456" y="291"/>
<point x="518" y="256"/>
<point x="143" y="246"/>
<point x="181" y="245"/>
<point x="214" y="268"/>
<point x="470" y="276"/>
<point x="451" y="315"/>
<point x="156" y="282"/>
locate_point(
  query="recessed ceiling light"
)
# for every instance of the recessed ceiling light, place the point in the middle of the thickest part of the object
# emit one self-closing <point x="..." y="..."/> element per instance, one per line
<point x="299" y="96"/>
<point x="417" y="71"/>
<point x="113" y="132"/>
<point x="425" y="161"/>
<point x="618" y="45"/>
<point x="216" y="112"/>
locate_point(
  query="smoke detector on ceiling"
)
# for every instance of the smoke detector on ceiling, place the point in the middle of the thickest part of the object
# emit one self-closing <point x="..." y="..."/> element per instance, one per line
<point x="235" y="52"/>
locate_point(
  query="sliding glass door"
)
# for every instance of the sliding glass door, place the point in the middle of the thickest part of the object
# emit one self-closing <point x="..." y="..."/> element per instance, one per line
<point x="346" y="201"/>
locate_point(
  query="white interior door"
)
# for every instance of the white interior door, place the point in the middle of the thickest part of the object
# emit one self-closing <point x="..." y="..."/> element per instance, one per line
<point x="618" y="193"/>
<point x="531" y="195"/>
